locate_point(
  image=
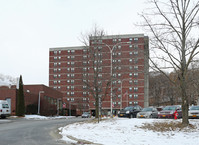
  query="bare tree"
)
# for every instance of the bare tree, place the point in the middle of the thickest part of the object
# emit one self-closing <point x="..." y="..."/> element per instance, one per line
<point x="97" y="85"/>
<point x="175" y="42"/>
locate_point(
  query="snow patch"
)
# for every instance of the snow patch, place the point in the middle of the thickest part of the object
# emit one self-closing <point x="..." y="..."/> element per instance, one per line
<point x="38" y="117"/>
<point x="126" y="131"/>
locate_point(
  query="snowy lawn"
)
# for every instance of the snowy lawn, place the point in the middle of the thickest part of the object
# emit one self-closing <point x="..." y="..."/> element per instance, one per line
<point x="124" y="131"/>
<point x="38" y="117"/>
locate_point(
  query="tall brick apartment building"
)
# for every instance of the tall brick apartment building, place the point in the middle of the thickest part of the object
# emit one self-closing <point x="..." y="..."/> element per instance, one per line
<point x="71" y="67"/>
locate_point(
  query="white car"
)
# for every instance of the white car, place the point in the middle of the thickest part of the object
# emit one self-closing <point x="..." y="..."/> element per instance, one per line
<point x="4" y="109"/>
<point x="194" y="112"/>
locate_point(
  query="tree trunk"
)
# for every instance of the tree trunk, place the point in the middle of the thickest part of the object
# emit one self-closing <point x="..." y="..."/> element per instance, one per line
<point x="97" y="108"/>
<point x="185" y="103"/>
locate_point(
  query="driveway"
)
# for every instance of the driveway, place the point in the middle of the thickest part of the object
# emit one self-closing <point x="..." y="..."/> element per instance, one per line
<point x="21" y="131"/>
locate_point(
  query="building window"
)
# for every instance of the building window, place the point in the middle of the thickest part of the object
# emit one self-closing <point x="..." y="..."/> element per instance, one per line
<point x="59" y="57"/>
<point x="59" y="81"/>
<point x="72" y="57"/>
<point x="59" y="69"/>
<point x="135" y="60"/>
<point x="72" y="87"/>
<point x="55" y="52"/>
<point x="119" y="47"/>
<point x="136" y="67"/>
<point x="84" y="50"/>
<point x="55" y="64"/>
<point x="136" y="82"/>
<point x="55" y="76"/>
<point x="119" y="103"/>
<point x="55" y="82"/>
<point x="85" y="56"/>
<point x="130" y="74"/>
<point x="68" y="81"/>
<point x="68" y="87"/>
<point x="135" y="74"/>
<point x="100" y="75"/>
<point x="72" y="81"/>
<point x="130" y="95"/>
<point x="130" y="46"/>
<point x="55" y="58"/>
<point x="68" y="56"/>
<point x="72" y="69"/>
<point x="135" y="39"/>
<point x="55" y="70"/>
<point x="130" y="60"/>
<point x="119" y="96"/>
<point x="130" y="67"/>
<point x="59" y="63"/>
<point x="72" y="63"/>
<point x="84" y="69"/>
<point x="130" y="81"/>
<point x="135" y="96"/>
<point x="130" y="39"/>
<point x="135" y="46"/>
<point x="119" y="82"/>
<point x="119" y="75"/>
<point x="68" y="51"/>
<point x="114" y="40"/>
<point x="135" y="52"/>
<point x="59" y="51"/>
<point x="135" y="102"/>
<point x="130" y="89"/>
<point x="59" y="75"/>
<point x="130" y="103"/>
<point x="135" y="89"/>
<point x="72" y="93"/>
<point x="130" y="53"/>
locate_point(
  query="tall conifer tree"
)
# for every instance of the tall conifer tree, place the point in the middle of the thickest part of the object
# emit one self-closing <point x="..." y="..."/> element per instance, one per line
<point x="20" y="99"/>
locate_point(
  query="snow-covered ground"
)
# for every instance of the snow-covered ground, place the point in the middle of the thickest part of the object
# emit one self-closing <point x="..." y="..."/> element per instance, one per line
<point x="124" y="131"/>
<point x="38" y="117"/>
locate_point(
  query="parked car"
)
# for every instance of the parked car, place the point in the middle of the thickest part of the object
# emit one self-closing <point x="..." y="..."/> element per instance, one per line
<point x="86" y="115"/>
<point x="130" y="111"/>
<point x="4" y="109"/>
<point x="149" y="112"/>
<point x="194" y="112"/>
<point x="168" y="112"/>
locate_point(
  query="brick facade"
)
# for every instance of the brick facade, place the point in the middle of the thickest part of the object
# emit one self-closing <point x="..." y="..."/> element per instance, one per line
<point x="70" y="66"/>
<point x="50" y="99"/>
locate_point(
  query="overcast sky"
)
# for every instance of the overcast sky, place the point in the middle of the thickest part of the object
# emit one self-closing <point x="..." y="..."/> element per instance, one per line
<point x="28" y="28"/>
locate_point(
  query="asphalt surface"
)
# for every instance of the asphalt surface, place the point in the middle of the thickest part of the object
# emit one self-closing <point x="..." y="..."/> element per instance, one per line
<point x="21" y="131"/>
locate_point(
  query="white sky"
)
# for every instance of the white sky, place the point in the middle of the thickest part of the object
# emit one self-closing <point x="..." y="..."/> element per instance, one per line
<point x="28" y="28"/>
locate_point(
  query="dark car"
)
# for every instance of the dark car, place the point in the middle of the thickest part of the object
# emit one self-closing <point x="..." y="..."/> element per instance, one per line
<point x="168" y="112"/>
<point x="130" y="111"/>
<point x="86" y="115"/>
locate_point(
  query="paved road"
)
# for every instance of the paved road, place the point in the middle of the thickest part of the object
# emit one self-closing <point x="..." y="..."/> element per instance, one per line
<point x="32" y="132"/>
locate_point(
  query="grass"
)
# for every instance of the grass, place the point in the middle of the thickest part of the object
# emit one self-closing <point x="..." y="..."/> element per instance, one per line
<point x="168" y="126"/>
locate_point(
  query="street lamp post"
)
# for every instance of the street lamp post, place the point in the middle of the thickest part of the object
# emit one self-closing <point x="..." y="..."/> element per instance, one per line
<point x="122" y="94"/>
<point x="39" y="101"/>
<point x="111" y="52"/>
